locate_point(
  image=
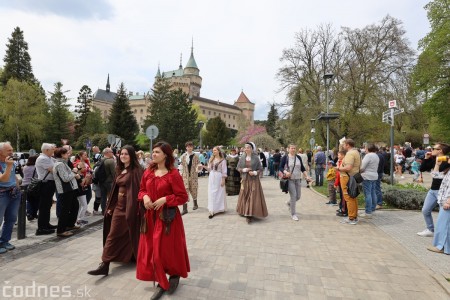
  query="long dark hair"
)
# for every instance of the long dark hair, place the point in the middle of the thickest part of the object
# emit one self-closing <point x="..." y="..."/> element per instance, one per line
<point x="134" y="163"/>
<point x="32" y="160"/>
<point x="167" y="150"/>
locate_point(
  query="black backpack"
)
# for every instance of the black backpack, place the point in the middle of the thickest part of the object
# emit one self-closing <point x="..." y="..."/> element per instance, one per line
<point x="99" y="175"/>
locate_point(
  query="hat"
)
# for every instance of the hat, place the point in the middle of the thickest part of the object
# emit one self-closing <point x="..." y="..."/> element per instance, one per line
<point x="332" y="163"/>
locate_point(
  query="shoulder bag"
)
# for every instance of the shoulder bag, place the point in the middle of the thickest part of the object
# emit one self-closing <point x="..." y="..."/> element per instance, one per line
<point x="284" y="181"/>
<point x="35" y="185"/>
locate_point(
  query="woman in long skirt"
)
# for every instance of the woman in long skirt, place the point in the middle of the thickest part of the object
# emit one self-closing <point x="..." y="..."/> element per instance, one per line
<point x="233" y="181"/>
<point x="251" y="201"/>
<point x="217" y="167"/>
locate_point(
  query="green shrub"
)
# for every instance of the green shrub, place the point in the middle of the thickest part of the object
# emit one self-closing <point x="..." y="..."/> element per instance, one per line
<point x="404" y="198"/>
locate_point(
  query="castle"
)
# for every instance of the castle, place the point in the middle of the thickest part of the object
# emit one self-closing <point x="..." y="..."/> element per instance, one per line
<point x="236" y="116"/>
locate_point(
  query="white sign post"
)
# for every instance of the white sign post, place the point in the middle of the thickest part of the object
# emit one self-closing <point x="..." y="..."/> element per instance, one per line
<point x="152" y="133"/>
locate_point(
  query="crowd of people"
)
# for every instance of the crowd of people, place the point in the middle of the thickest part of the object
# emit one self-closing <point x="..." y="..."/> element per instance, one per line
<point x="138" y="194"/>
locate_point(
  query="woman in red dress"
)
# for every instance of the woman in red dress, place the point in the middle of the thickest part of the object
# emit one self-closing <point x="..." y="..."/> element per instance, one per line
<point x="162" y="247"/>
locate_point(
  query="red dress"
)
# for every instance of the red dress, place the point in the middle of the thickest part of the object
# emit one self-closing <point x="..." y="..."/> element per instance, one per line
<point x="160" y="254"/>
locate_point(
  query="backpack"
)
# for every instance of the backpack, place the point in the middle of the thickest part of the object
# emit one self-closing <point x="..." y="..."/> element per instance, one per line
<point x="352" y="187"/>
<point x="99" y="175"/>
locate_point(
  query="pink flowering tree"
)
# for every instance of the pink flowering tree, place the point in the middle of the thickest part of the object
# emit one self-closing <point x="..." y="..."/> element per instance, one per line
<point x="250" y="132"/>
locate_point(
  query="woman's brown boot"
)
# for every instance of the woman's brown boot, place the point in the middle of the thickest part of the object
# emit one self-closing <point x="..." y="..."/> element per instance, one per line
<point x="103" y="269"/>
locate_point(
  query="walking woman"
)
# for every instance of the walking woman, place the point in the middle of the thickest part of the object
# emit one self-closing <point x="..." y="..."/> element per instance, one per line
<point x="292" y="167"/>
<point x="217" y="167"/>
<point x="121" y="224"/>
<point x="233" y="181"/>
<point x="441" y="240"/>
<point x="162" y="248"/>
<point x="67" y="188"/>
<point x="251" y="201"/>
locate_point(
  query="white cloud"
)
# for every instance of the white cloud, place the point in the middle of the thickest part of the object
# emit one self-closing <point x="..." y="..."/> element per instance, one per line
<point x="237" y="43"/>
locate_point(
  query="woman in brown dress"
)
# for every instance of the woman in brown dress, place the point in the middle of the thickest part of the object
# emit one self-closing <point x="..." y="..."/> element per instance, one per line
<point x="251" y="201"/>
<point x="121" y="222"/>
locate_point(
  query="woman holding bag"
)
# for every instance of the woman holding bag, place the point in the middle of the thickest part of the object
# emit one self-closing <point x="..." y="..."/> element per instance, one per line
<point x="67" y="187"/>
<point x="251" y="201"/>
<point x="162" y="248"/>
<point x="292" y="167"/>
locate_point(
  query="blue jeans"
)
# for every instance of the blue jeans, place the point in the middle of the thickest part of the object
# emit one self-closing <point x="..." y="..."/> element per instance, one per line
<point x="319" y="175"/>
<point x="370" y="195"/>
<point x="9" y="208"/>
<point x="428" y="205"/>
<point x="294" y="193"/>
<point x="378" y="190"/>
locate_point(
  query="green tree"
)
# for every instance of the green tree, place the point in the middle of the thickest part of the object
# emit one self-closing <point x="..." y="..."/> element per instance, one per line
<point x="272" y="119"/>
<point x="159" y="99"/>
<point x="22" y="114"/>
<point x="121" y="120"/>
<point x="17" y="59"/>
<point x="82" y="109"/>
<point x="59" y="115"/>
<point x="432" y="73"/>
<point x="95" y="122"/>
<point x="217" y="133"/>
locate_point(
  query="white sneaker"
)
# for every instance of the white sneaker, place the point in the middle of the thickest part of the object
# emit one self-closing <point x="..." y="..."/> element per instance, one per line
<point x="427" y="233"/>
<point x="364" y="215"/>
<point x="295" y="218"/>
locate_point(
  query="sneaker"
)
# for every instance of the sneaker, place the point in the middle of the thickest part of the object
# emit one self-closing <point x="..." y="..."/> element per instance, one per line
<point x="3" y="250"/>
<point x="341" y="214"/>
<point x="295" y="218"/>
<point x="434" y="249"/>
<point x="96" y="213"/>
<point x="345" y="220"/>
<point x="378" y="206"/>
<point x="353" y="222"/>
<point x="87" y="213"/>
<point x="427" y="233"/>
<point x="7" y="246"/>
<point x="364" y="215"/>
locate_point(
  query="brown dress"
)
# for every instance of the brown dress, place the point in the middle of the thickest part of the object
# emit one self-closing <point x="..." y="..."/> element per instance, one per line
<point x="118" y="245"/>
<point x="251" y="201"/>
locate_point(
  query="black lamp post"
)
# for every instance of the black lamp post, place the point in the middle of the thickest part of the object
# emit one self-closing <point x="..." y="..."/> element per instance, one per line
<point x="327" y="78"/>
<point x="200" y="126"/>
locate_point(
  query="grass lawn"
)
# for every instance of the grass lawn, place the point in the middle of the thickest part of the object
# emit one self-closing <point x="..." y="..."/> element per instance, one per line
<point x="361" y="203"/>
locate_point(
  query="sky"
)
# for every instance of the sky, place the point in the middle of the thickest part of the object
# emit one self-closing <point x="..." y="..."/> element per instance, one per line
<point x="237" y="43"/>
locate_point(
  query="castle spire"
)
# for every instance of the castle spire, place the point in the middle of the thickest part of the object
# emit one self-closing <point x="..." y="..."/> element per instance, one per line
<point x="107" y="84"/>
<point x="158" y="74"/>
<point x="181" y="61"/>
<point x="191" y="62"/>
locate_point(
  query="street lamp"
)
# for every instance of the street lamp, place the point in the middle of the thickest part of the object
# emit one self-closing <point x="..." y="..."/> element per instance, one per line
<point x="312" y="141"/>
<point x="200" y="126"/>
<point x="327" y="78"/>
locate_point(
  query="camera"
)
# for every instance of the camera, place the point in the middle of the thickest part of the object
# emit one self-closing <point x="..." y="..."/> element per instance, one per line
<point x="442" y="158"/>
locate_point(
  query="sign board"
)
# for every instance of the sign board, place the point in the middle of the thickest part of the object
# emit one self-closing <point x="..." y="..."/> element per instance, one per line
<point x="152" y="132"/>
<point x="32" y="152"/>
<point x="118" y="142"/>
<point x="111" y="139"/>
<point x="88" y="144"/>
<point x="398" y="111"/>
<point x="426" y="139"/>
<point x="312" y="142"/>
<point x="392" y="104"/>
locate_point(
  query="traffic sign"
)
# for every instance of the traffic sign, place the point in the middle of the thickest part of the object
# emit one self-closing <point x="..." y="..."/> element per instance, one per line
<point x="398" y="111"/>
<point x="152" y="132"/>
<point x="111" y="139"/>
<point x="392" y="104"/>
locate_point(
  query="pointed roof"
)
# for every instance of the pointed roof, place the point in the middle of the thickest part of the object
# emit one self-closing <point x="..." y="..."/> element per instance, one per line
<point x="243" y="98"/>
<point x="107" y="85"/>
<point x="191" y="62"/>
<point x="158" y="74"/>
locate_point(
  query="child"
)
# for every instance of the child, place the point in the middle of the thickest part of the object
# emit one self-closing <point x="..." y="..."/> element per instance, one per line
<point x="415" y="166"/>
<point x="342" y="211"/>
<point x="331" y="177"/>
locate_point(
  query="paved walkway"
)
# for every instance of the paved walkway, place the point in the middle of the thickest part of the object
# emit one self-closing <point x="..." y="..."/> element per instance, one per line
<point x="275" y="258"/>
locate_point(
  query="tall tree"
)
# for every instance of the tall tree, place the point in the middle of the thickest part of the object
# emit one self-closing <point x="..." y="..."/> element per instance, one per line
<point x="59" y="115"/>
<point x="272" y="119"/>
<point x="17" y="59"/>
<point x="159" y="100"/>
<point x="217" y="133"/>
<point x="121" y="120"/>
<point x="95" y="122"/>
<point x="82" y="109"/>
<point x="22" y="114"/>
<point x="432" y="73"/>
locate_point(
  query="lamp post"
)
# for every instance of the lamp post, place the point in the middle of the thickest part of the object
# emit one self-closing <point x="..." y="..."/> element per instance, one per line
<point x="312" y="141"/>
<point x="327" y="78"/>
<point x="200" y="126"/>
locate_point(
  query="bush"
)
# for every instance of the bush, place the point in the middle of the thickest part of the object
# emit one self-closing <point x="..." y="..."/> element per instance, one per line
<point x="403" y="197"/>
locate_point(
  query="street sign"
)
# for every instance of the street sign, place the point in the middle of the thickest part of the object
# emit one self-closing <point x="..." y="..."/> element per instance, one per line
<point x="312" y="142"/>
<point x="398" y="111"/>
<point x="426" y="139"/>
<point x="118" y="142"/>
<point x="392" y="104"/>
<point x="387" y="117"/>
<point x="152" y="132"/>
<point x="111" y="139"/>
<point x="32" y="152"/>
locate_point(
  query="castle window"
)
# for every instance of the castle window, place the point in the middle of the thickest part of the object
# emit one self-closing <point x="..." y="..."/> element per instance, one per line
<point x="229" y="125"/>
<point x="142" y="110"/>
<point x="203" y="111"/>
<point x="209" y="112"/>
<point x="229" y="116"/>
<point x="234" y="117"/>
<point x="214" y="113"/>
<point x="233" y="125"/>
<point x="135" y="111"/>
<point x="219" y="114"/>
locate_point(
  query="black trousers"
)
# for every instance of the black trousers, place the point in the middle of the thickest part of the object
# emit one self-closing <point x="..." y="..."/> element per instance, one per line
<point x="69" y="211"/>
<point x="47" y="191"/>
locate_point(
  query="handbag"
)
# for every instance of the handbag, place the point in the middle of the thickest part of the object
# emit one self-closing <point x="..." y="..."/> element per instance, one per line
<point x="167" y="215"/>
<point x="284" y="181"/>
<point x="66" y="186"/>
<point x="358" y="177"/>
<point x="35" y="185"/>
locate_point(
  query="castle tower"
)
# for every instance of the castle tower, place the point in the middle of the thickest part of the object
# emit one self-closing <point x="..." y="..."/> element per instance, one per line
<point x="192" y="72"/>
<point x="247" y="107"/>
<point x="108" y="87"/>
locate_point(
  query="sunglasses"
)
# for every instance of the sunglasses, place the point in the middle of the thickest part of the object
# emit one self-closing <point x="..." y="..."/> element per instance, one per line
<point x="436" y="148"/>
